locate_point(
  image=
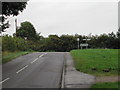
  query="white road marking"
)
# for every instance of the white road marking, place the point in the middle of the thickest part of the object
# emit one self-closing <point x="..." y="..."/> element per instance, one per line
<point x="45" y="53"/>
<point x="41" y="55"/>
<point x="22" y="69"/>
<point x="4" y="80"/>
<point x="34" y="60"/>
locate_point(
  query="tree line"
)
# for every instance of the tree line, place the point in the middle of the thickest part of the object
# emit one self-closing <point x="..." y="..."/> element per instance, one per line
<point x="26" y="38"/>
<point x="9" y="9"/>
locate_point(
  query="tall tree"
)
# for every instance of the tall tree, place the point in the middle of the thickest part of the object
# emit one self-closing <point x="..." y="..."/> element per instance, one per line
<point x="26" y="30"/>
<point x="10" y="8"/>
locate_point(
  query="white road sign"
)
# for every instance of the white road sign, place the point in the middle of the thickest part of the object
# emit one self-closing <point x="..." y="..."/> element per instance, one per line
<point x="83" y="44"/>
<point x="86" y="39"/>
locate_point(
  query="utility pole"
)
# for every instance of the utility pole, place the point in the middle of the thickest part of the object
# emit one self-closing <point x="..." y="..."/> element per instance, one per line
<point x="78" y="42"/>
<point x="16" y="25"/>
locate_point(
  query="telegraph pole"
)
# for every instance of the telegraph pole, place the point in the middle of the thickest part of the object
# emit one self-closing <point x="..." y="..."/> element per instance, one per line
<point x="78" y="42"/>
<point x="16" y="25"/>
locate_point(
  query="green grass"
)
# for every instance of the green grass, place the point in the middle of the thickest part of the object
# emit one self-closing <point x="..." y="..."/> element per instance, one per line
<point x="8" y="56"/>
<point x="106" y="86"/>
<point x="96" y="61"/>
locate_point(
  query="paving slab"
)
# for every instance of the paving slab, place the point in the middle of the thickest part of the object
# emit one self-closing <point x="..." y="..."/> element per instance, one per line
<point x="74" y="78"/>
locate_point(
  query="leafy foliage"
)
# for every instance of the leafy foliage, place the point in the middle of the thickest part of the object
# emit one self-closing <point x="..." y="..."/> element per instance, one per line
<point x="13" y="43"/>
<point x="69" y="42"/>
<point x="105" y="41"/>
<point x="10" y="8"/>
<point x="13" y="8"/>
<point x="63" y="43"/>
<point x="27" y="30"/>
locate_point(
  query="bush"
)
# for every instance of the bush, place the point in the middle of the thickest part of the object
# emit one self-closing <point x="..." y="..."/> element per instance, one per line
<point x="10" y="43"/>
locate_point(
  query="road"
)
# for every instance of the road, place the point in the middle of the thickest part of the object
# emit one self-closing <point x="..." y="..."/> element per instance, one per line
<point x="35" y="70"/>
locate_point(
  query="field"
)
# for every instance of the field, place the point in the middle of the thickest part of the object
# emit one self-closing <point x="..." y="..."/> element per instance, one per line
<point x="8" y="56"/>
<point x="98" y="62"/>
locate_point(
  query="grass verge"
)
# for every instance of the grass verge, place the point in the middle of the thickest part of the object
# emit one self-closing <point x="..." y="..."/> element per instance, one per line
<point x="106" y="86"/>
<point x="99" y="62"/>
<point x="8" y="56"/>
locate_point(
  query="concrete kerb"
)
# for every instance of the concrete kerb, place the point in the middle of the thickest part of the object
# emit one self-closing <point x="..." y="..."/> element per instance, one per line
<point x="63" y="73"/>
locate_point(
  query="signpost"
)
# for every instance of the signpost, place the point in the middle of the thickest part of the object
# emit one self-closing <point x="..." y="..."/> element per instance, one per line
<point x="84" y="45"/>
<point x="86" y="39"/>
<point x="16" y="24"/>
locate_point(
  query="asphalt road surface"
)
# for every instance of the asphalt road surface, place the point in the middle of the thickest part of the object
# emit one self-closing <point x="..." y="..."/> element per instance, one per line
<point x="35" y="70"/>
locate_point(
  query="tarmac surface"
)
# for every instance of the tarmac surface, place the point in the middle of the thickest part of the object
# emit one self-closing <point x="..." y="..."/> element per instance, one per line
<point x="44" y="70"/>
<point x="36" y="70"/>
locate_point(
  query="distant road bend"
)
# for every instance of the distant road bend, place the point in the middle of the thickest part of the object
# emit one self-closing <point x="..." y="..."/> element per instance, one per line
<point x="35" y="70"/>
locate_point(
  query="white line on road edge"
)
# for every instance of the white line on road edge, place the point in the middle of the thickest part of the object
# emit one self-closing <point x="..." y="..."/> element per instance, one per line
<point x="34" y="60"/>
<point x="4" y="80"/>
<point x="22" y="69"/>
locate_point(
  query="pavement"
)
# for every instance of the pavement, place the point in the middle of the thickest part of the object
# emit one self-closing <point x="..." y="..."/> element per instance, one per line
<point x="74" y="78"/>
<point x="35" y="70"/>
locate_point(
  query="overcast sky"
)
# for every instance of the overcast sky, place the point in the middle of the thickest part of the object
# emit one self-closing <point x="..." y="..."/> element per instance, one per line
<point x="69" y="17"/>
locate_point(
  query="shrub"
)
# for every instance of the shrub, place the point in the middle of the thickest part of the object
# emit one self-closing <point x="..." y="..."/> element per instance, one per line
<point x="10" y="43"/>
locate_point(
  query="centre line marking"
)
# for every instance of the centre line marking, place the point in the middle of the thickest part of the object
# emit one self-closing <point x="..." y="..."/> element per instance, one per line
<point x="22" y="69"/>
<point x="4" y="80"/>
<point x="34" y="60"/>
<point x="41" y="55"/>
<point x="45" y="53"/>
<point x="37" y="58"/>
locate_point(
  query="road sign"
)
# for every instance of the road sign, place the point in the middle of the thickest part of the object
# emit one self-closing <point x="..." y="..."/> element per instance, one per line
<point x="85" y="44"/>
<point x="86" y="39"/>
